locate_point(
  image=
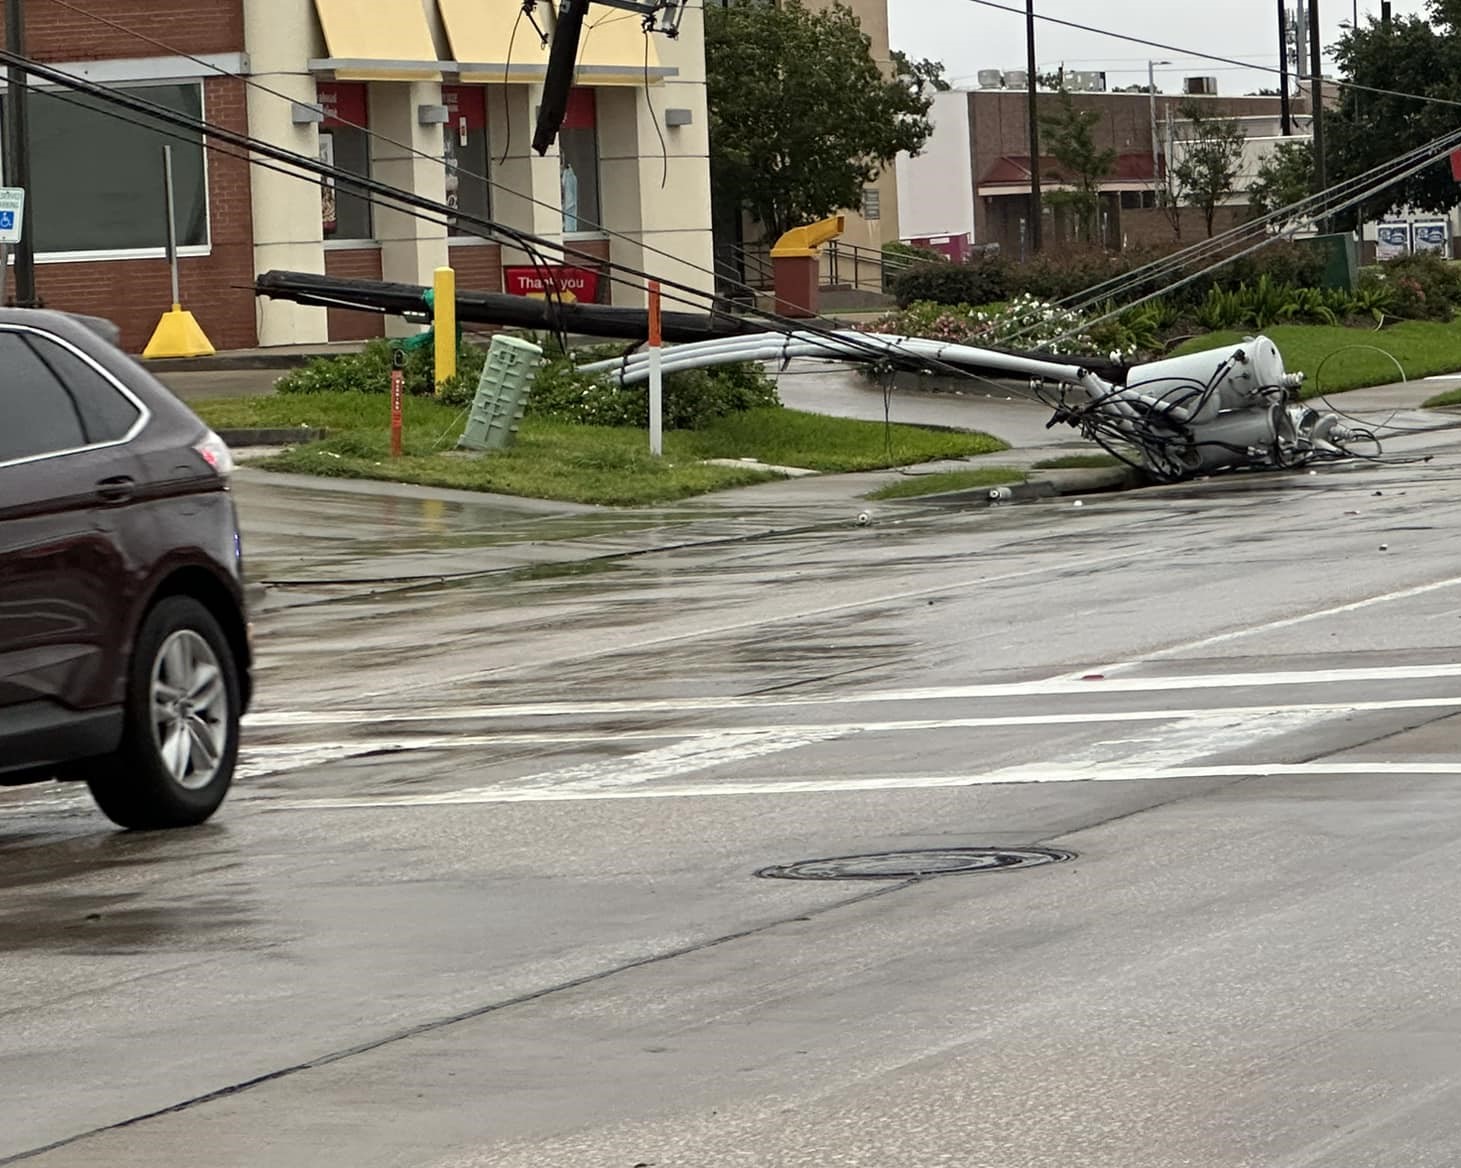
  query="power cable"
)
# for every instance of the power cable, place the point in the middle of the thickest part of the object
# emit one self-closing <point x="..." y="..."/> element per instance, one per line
<point x="412" y="204"/>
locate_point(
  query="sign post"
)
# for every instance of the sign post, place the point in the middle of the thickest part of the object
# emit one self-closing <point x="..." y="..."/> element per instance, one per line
<point x="177" y="334"/>
<point x="12" y="219"/>
<point x="656" y="377"/>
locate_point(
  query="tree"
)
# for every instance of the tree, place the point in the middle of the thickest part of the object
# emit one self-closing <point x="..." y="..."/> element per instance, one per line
<point x="1410" y="56"/>
<point x="1206" y="168"/>
<point x="801" y="116"/>
<point x="1071" y="141"/>
<point x="1284" y="178"/>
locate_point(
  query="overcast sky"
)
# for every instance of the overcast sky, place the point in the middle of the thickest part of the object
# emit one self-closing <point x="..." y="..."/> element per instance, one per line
<point x="968" y="36"/>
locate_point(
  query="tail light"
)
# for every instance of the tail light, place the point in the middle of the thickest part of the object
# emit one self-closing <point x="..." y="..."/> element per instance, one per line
<point x="215" y="452"/>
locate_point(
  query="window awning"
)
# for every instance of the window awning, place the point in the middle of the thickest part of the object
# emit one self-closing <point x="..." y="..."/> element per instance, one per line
<point x="376" y="40"/>
<point x="485" y="45"/>
<point x="611" y="50"/>
<point x="615" y="48"/>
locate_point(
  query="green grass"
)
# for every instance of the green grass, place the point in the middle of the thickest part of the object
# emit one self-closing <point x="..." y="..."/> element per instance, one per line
<point x="584" y="464"/>
<point x="912" y="486"/>
<point x="1452" y="397"/>
<point x="1348" y="355"/>
<point x="1077" y="462"/>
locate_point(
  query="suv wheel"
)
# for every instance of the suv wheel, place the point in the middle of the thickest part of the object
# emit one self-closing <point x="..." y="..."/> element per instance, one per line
<point x="181" y="737"/>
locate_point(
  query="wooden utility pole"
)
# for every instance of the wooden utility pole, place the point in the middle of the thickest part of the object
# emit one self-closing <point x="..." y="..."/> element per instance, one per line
<point x="1034" y="109"/>
<point x="17" y="154"/>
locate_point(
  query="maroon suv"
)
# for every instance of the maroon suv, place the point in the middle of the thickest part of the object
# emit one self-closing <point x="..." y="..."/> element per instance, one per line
<point x="124" y="650"/>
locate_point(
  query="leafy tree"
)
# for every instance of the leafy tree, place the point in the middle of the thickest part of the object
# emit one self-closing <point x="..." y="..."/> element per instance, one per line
<point x="801" y="116"/>
<point x="1413" y="55"/>
<point x="1206" y="169"/>
<point x="1068" y="135"/>
<point x="1284" y="178"/>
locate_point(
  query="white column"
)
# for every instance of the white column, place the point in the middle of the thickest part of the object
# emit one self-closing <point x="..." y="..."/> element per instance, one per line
<point x="527" y="194"/>
<point x="408" y="155"/>
<point x="287" y="228"/>
<point x="658" y="195"/>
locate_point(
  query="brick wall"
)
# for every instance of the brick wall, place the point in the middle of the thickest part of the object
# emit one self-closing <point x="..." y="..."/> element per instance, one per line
<point x="55" y="33"/>
<point x="135" y="293"/>
<point x="478" y="267"/>
<point x="215" y="288"/>
<point x="348" y="324"/>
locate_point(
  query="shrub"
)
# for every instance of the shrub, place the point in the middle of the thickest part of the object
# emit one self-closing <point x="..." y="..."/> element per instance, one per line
<point x="1025" y="323"/>
<point x="1422" y="286"/>
<point x="981" y="281"/>
<point x="369" y="371"/>
<point x="692" y="399"/>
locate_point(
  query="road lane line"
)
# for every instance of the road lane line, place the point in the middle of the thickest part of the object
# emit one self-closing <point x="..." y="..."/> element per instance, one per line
<point x="1063" y="685"/>
<point x="1284" y="623"/>
<point x="277" y="758"/>
<point x="824" y="785"/>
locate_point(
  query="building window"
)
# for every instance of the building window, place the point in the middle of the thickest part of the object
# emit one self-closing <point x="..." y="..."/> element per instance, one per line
<point x="97" y="179"/>
<point x="1133" y="200"/>
<point x="578" y="160"/>
<point x="872" y="203"/>
<point x="345" y="144"/>
<point x="466" y="155"/>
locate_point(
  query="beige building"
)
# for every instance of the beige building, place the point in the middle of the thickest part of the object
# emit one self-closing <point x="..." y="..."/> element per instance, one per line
<point x="437" y="97"/>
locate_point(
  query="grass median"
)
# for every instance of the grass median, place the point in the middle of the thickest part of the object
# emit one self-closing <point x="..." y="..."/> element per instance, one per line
<point x="1335" y="358"/>
<point x="574" y="463"/>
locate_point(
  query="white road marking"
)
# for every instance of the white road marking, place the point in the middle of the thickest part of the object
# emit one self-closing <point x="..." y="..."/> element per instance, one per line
<point x="1064" y="684"/>
<point x="823" y="785"/>
<point x="1286" y="622"/>
<point x="1186" y="734"/>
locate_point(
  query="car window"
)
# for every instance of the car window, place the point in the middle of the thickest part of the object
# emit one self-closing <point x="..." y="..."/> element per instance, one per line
<point x="40" y="417"/>
<point x="106" y="413"/>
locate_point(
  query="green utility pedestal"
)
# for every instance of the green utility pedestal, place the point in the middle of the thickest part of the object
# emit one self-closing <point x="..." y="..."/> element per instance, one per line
<point x="502" y="393"/>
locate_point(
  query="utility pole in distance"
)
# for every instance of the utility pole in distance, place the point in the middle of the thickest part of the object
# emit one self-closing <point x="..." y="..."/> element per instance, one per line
<point x="1036" y="211"/>
<point x="1316" y="96"/>
<point x="1283" y="68"/>
<point x="17" y="154"/>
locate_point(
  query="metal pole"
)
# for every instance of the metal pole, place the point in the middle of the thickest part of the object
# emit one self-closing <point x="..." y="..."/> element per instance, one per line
<point x="1034" y="114"/>
<point x="17" y="152"/>
<point x="1285" y="113"/>
<point x="1151" y="91"/>
<point x="1316" y="98"/>
<point x="172" y="228"/>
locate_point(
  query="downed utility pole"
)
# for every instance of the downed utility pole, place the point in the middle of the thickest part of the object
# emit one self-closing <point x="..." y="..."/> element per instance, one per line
<point x="616" y="323"/>
<point x="595" y="320"/>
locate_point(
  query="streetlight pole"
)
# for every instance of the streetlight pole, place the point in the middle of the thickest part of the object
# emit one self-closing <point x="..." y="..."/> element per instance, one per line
<point x="17" y="154"/>
<point x="1284" y="112"/>
<point x="1316" y="97"/>
<point x="1034" y="114"/>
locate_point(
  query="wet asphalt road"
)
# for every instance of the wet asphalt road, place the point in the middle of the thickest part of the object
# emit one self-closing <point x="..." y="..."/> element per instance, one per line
<point x="486" y="893"/>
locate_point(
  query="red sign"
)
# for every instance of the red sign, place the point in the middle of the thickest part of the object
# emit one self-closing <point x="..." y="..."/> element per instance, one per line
<point x="580" y="285"/>
<point x="1456" y="165"/>
<point x="582" y="111"/>
<point x="343" y="102"/>
<point x="465" y="103"/>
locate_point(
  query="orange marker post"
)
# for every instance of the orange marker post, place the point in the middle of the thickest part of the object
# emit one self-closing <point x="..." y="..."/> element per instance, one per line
<point x="398" y="389"/>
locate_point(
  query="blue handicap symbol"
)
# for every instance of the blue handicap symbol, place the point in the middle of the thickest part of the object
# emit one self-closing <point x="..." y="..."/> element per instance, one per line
<point x="7" y="220"/>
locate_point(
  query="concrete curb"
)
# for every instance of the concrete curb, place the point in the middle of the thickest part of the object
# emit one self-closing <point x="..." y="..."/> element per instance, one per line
<point x="1051" y="484"/>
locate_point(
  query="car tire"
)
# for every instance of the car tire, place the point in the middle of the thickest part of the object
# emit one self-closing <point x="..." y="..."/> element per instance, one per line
<point x="180" y="739"/>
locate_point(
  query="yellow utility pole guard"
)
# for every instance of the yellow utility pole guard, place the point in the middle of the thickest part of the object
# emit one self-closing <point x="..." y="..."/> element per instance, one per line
<point x="444" y="324"/>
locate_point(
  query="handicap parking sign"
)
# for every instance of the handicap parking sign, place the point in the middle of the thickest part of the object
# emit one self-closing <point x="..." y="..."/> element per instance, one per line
<point x="12" y="206"/>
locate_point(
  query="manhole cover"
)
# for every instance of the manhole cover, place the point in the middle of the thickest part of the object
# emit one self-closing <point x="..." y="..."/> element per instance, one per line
<point x="908" y="865"/>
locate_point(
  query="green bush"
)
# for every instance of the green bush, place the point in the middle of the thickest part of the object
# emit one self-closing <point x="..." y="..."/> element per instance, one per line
<point x="1422" y="286"/>
<point x="692" y="399"/>
<point x="985" y="280"/>
<point x="369" y="371"/>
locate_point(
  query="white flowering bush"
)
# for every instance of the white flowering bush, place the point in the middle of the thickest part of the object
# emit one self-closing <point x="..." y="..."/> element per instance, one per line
<point x="1026" y="322"/>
